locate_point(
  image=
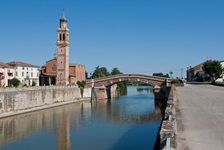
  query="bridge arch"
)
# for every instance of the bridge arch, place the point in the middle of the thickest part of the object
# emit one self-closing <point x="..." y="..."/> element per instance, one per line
<point x="113" y="79"/>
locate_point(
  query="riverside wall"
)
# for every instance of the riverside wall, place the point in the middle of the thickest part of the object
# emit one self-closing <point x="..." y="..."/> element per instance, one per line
<point x="26" y="99"/>
<point x="169" y="126"/>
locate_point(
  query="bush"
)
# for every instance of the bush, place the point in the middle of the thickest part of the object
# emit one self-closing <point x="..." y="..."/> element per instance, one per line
<point x="33" y="83"/>
<point x="81" y="85"/>
<point x="15" y="82"/>
<point x="175" y="81"/>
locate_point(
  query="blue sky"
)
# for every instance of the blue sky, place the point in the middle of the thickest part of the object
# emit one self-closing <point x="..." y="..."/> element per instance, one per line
<point x="136" y="36"/>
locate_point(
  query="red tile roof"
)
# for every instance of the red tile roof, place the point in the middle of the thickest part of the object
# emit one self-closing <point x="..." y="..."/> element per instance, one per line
<point x="4" y="65"/>
<point x="23" y="64"/>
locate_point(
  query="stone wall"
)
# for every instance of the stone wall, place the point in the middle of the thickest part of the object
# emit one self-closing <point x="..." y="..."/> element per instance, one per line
<point x="20" y="100"/>
<point x="168" y="127"/>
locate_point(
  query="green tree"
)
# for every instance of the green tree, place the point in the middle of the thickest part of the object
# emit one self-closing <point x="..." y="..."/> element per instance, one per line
<point x="81" y="85"/>
<point x="213" y="68"/>
<point x="100" y="72"/>
<point x="122" y="85"/>
<point x="87" y="75"/>
<point x="115" y="71"/>
<point x="15" y="82"/>
<point x="161" y="75"/>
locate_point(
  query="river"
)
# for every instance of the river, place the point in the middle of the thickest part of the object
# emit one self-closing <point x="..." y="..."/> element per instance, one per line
<point x="128" y="122"/>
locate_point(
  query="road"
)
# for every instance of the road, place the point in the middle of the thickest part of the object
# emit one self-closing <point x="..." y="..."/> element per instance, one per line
<point x="202" y="114"/>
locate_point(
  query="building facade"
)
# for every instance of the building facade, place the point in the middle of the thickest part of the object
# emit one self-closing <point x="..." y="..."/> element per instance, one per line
<point x="58" y="70"/>
<point x="222" y="77"/>
<point x="7" y="72"/>
<point x="196" y="73"/>
<point x="26" y="73"/>
<point x="77" y="72"/>
<point x="49" y="73"/>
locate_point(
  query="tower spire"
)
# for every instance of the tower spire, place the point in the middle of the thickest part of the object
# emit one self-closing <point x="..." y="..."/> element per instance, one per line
<point x="63" y="13"/>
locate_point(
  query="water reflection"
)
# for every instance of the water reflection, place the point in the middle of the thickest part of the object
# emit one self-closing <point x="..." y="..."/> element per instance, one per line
<point x="70" y="124"/>
<point x="147" y="89"/>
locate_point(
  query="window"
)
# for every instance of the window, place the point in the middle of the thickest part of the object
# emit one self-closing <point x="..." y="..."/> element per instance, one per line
<point x="37" y="74"/>
<point x="60" y="36"/>
<point x="16" y="73"/>
<point x="63" y="37"/>
<point x="22" y="74"/>
<point x="23" y="68"/>
<point x="31" y="74"/>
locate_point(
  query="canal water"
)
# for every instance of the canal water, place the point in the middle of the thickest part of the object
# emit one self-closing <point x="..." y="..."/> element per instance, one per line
<point x="128" y="122"/>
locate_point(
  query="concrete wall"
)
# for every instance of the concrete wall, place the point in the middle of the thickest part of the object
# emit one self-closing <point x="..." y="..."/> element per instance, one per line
<point x="87" y="93"/>
<point x="19" y="100"/>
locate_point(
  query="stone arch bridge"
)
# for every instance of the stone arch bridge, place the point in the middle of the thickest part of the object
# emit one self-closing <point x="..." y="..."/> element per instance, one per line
<point x="110" y="80"/>
<point x="101" y="88"/>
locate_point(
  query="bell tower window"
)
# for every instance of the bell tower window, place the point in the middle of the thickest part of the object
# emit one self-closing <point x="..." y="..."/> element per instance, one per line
<point x="63" y="37"/>
<point x="60" y="37"/>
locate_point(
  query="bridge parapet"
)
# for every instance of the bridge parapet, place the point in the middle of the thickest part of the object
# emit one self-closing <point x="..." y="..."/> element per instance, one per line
<point x="110" y="80"/>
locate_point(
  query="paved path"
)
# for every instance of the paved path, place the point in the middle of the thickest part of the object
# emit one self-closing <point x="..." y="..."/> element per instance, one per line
<point x="202" y="114"/>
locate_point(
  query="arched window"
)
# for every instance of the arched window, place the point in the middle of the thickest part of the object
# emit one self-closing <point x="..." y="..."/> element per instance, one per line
<point x="60" y="37"/>
<point x="63" y="37"/>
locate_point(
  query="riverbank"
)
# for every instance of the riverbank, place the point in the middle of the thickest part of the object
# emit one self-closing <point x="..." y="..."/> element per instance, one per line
<point x="14" y="101"/>
<point x="18" y="112"/>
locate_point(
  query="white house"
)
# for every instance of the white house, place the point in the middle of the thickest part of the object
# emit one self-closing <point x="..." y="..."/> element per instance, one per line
<point x="222" y="77"/>
<point x="7" y="72"/>
<point x="26" y="73"/>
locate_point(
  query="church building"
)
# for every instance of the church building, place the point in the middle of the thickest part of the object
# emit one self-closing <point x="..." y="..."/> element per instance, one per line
<point x="58" y="71"/>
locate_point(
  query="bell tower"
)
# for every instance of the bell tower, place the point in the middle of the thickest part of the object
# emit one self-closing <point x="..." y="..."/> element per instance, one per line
<point x="63" y="52"/>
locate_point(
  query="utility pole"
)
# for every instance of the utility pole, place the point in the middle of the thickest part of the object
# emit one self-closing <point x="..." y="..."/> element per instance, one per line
<point x="181" y="73"/>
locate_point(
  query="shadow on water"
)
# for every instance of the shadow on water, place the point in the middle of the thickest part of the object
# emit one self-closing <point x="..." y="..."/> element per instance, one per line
<point x="145" y="125"/>
<point x="142" y="143"/>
